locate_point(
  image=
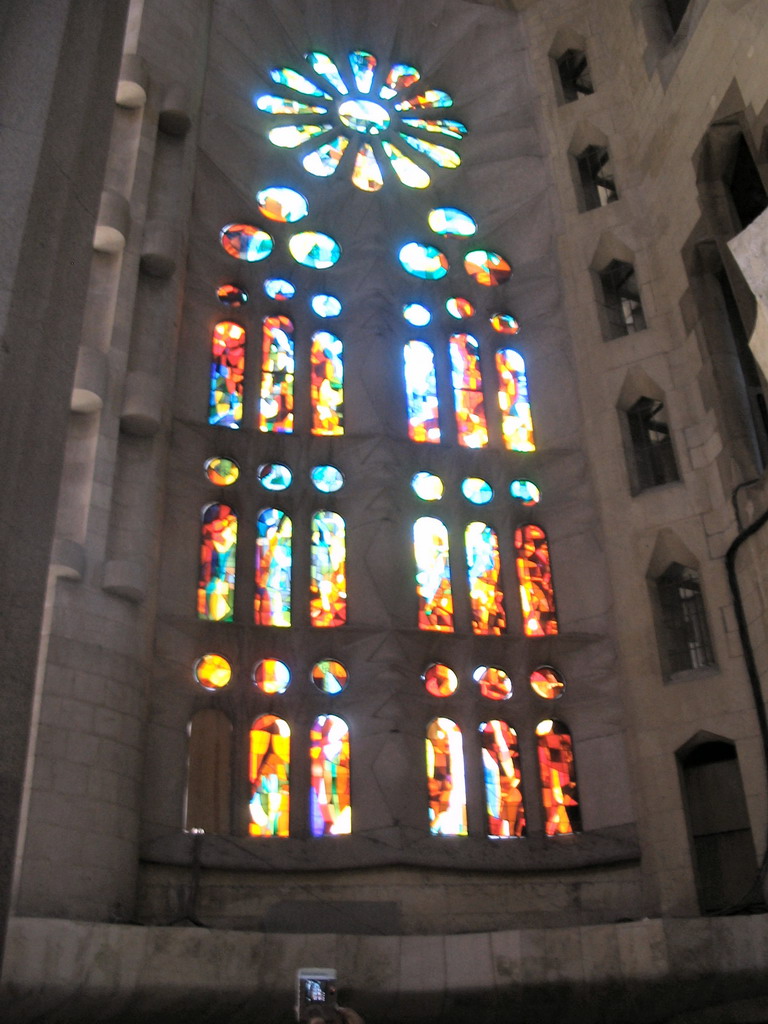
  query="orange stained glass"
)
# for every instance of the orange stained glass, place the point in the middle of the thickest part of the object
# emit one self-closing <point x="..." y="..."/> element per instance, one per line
<point x="225" y="407"/>
<point x="327" y="385"/>
<point x="440" y="681"/>
<point x="330" y="811"/>
<point x="468" y="391"/>
<point x="328" y="586"/>
<point x="269" y="766"/>
<point x="271" y="676"/>
<point x="547" y="682"/>
<point x="277" y="375"/>
<point x="534" y="574"/>
<point x="445" y="779"/>
<point x="559" y="792"/>
<point x="212" y="671"/>
<point x="493" y="683"/>
<point x="483" y="568"/>
<point x="501" y="771"/>
<point x="216" y="584"/>
<point x="433" y="575"/>
<point x="516" y="420"/>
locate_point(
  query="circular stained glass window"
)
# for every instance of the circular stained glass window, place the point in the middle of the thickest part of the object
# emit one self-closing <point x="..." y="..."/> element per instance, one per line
<point x="427" y="486"/>
<point x="271" y="676"/>
<point x="416" y="314"/>
<point x="486" y="267"/>
<point x="525" y="491"/>
<point x="282" y="204"/>
<point x="313" y="249"/>
<point x="478" y="491"/>
<point x="212" y="671"/>
<point x="326" y="306"/>
<point x="279" y="289"/>
<point x="274" y="476"/>
<point x="329" y="676"/>
<point x="327" y="478"/>
<point x="504" y="323"/>
<point x="423" y="261"/>
<point x="222" y="472"/>
<point x="547" y="682"/>
<point x="245" y="242"/>
<point x="446" y="220"/>
<point x="460" y="309"/>
<point x="364" y="116"/>
<point x="439" y="680"/>
<point x="494" y="683"/>
<point x="231" y="295"/>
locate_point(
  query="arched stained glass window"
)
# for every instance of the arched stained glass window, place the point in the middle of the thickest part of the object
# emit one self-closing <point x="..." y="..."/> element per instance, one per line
<point x="227" y="372"/>
<point x="421" y="392"/>
<point x="272" y="592"/>
<point x="433" y="575"/>
<point x="277" y="373"/>
<point x="501" y="770"/>
<point x="327" y="385"/>
<point x="269" y="768"/>
<point x="468" y="391"/>
<point x="534" y="574"/>
<point x="330" y="811"/>
<point x="445" y="778"/>
<point x="516" y="421"/>
<point x="484" y="568"/>
<point x="558" y="779"/>
<point x="328" y="587"/>
<point x="216" y="586"/>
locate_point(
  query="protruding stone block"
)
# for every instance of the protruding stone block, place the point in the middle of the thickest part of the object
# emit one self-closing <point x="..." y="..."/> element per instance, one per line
<point x="132" y="83"/>
<point x="158" y="253"/>
<point x="91" y="378"/>
<point x="68" y="559"/>
<point x="127" y="579"/>
<point x="175" y="116"/>
<point x="141" y="405"/>
<point x="113" y="223"/>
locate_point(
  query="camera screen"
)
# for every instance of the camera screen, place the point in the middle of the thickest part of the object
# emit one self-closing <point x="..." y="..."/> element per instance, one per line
<point x="316" y="989"/>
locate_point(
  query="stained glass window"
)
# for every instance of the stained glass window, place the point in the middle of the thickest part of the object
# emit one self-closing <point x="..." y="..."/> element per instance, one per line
<point x="272" y="577"/>
<point x="212" y="672"/>
<point x="279" y="289"/>
<point x="313" y="249"/>
<point x="416" y="314"/>
<point x="326" y="306"/>
<point x="227" y="372"/>
<point x="558" y="779"/>
<point x="487" y="268"/>
<point x="433" y="575"/>
<point x="547" y="682"/>
<point x="427" y="486"/>
<point x="534" y="574"/>
<point x="232" y="295"/>
<point x="423" y="261"/>
<point x="329" y="676"/>
<point x="274" y="476"/>
<point x="328" y="588"/>
<point x="366" y="173"/>
<point x="330" y="812"/>
<point x="421" y="392"/>
<point x="516" y="422"/>
<point x="483" y="568"/>
<point x="445" y="779"/>
<point x="327" y="385"/>
<point x="493" y="683"/>
<point x="245" y="242"/>
<point x="271" y="676"/>
<point x="216" y="587"/>
<point x="277" y="375"/>
<point x="282" y="204"/>
<point x="439" y="680"/>
<point x="504" y="323"/>
<point x="468" y="391"/>
<point x="327" y="478"/>
<point x="446" y="220"/>
<point x="476" y="490"/>
<point x="222" y="472"/>
<point x="525" y="491"/>
<point x="269" y="767"/>
<point x="501" y="770"/>
<point x="459" y="308"/>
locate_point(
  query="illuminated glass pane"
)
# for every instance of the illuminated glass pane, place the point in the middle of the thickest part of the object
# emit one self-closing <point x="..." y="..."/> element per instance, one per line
<point x="313" y="249"/>
<point x="279" y="289"/>
<point x="366" y="174"/>
<point x="493" y="683"/>
<point x="245" y="242"/>
<point x="400" y="77"/>
<point x="322" y="64"/>
<point x="430" y="98"/>
<point x="326" y="306"/>
<point x="454" y="129"/>
<point x="222" y="472"/>
<point x="271" y="676"/>
<point x="364" y="116"/>
<point x="478" y="491"/>
<point x="363" y="67"/>
<point x="416" y="314"/>
<point x="274" y="476"/>
<point x="286" y="76"/>
<point x="483" y="569"/>
<point x="216" y="585"/>
<point x="324" y="161"/>
<point x="440" y="681"/>
<point x="330" y="810"/>
<point x="559" y="793"/>
<point x="328" y="587"/>
<point x="486" y="267"/>
<point x="433" y="575"/>
<point x="327" y="386"/>
<point x="290" y="136"/>
<point x="277" y="369"/>
<point x="423" y="261"/>
<point x="272" y="575"/>
<point x="409" y="173"/>
<point x="460" y="309"/>
<point x="285" y="205"/>
<point x="525" y="491"/>
<point x="516" y="421"/>
<point x="445" y="779"/>
<point x="329" y="676"/>
<point x="534" y="574"/>
<point x="225" y="407"/>
<point x="501" y="771"/>
<point x="278" y="105"/>
<point x="468" y="391"/>
<point x="448" y="221"/>
<point x="547" y="682"/>
<point x="232" y="295"/>
<point x="212" y="671"/>
<point x="427" y="486"/>
<point x="327" y="478"/>
<point x="504" y="323"/>
<point x="440" y="155"/>
<point x="269" y="768"/>
<point x="421" y="393"/>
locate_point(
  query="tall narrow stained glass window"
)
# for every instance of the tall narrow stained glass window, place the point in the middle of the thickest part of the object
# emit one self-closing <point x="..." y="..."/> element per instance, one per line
<point x="227" y="373"/>
<point x="272" y="577"/>
<point x="445" y="776"/>
<point x="328" y="587"/>
<point x="433" y="575"/>
<point x="216" y="585"/>
<point x="277" y="375"/>
<point x="501" y="770"/>
<point x="327" y="385"/>
<point x="269" y="767"/>
<point x="558" y="779"/>
<point x="534" y="575"/>
<point x="516" y="421"/>
<point x="484" y="567"/>
<point x="330" y="807"/>
<point x="421" y="392"/>
<point x="468" y="391"/>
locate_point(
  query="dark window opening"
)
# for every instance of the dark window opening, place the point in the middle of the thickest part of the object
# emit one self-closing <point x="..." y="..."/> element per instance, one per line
<point x="746" y="185"/>
<point x="575" y="77"/>
<point x="685" y="635"/>
<point x="596" y="177"/>
<point x="676" y="10"/>
<point x="621" y="299"/>
<point x="654" y="457"/>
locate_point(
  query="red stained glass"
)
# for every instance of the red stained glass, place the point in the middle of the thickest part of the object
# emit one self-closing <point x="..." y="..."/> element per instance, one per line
<point x="558" y="779"/>
<point x="445" y="776"/>
<point x="547" y="682"/>
<point x="330" y="812"/>
<point x="493" y="683"/>
<point x="227" y="371"/>
<point x="216" y="585"/>
<point x="468" y="391"/>
<point x="277" y="374"/>
<point x="433" y="575"/>
<point x="440" y="681"/>
<point x="327" y="385"/>
<point x="534" y="574"/>
<point x="501" y="770"/>
<point x="269" y="766"/>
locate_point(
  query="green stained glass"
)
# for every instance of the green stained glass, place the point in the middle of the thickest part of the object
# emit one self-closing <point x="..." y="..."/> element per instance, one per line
<point x="297" y="82"/>
<point x="313" y="249"/>
<point x="401" y="76"/>
<point x="272" y="570"/>
<point x="429" y="98"/>
<point x="423" y="261"/>
<point x="363" y="67"/>
<point x="454" y="129"/>
<point x="329" y="676"/>
<point x="327" y="478"/>
<point x="487" y="268"/>
<point x="364" y="116"/>
<point x="427" y="486"/>
<point x="416" y="314"/>
<point x="409" y="173"/>
<point x="446" y="220"/>
<point x="245" y="242"/>
<point x="460" y="309"/>
<point x="277" y="288"/>
<point x="440" y="155"/>
<point x="285" y="205"/>
<point x="322" y="64"/>
<point x="504" y="323"/>
<point x="290" y="136"/>
<point x="478" y="491"/>
<point x="366" y="174"/>
<point x="324" y="160"/>
<point x="525" y="491"/>
<point x="222" y="472"/>
<point x="326" y="306"/>
<point x="274" y="476"/>
<point x="278" y="105"/>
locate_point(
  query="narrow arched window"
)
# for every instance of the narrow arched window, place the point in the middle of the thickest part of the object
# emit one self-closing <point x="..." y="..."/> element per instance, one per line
<point x="559" y="792"/>
<point x="328" y="586"/>
<point x="227" y="373"/>
<point x="277" y="375"/>
<point x="445" y="777"/>
<point x="327" y="385"/>
<point x="272" y="594"/>
<point x="516" y="421"/>
<point x="501" y="770"/>
<point x="685" y="640"/>
<point x="468" y="391"/>
<point x="534" y="574"/>
<point x="421" y="392"/>
<point x="330" y="806"/>
<point x="269" y="769"/>
<point x="209" y="772"/>
<point x="433" y="575"/>
<point x="484" y="567"/>
<point x="216" y="586"/>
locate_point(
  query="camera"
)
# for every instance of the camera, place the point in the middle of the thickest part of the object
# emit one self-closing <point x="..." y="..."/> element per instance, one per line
<point x="315" y="985"/>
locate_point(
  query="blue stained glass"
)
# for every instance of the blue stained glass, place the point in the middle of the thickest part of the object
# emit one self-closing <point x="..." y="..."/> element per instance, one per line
<point x="313" y="249"/>
<point x="423" y="261"/>
<point x="277" y="288"/>
<point x="427" y="486"/>
<point x="478" y="491"/>
<point x="327" y="478"/>
<point x="326" y="305"/>
<point x="446" y="220"/>
<point x="323" y="65"/>
<point x="363" y="67"/>
<point x="286" y="76"/>
<point x="417" y="314"/>
<point x="525" y="491"/>
<point x="400" y="77"/>
<point x="274" y="476"/>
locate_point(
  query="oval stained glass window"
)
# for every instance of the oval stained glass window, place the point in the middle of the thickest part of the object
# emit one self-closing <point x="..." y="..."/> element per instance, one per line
<point x="487" y="268"/>
<point x="327" y="478"/>
<point x="212" y="671"/>
<point x="364" y="116"/>
<point x="439" y="680"/>
<point x="274" y="476"/>
<point x="494" y="683"/>
<point x="313" y="249"/>
<point x="329" y="676"/>
<point x="416" y="314"/>
<point x="285" y="205"/>
<point x="459" y="309"/>
<point x="326" y="306"/>
<point x="476" y="490"/>
<point x="547" y="682"/>
<point x="504" y="323"/>
<point x="245" y="242"/>
<point x="447" y="220"/>
<point x="222" y="472"/>
<point x="279" y="289"/>
<point x="423" y="261"/>
<point x="232" y="295"/>
<point x="427" y="486"/>
<point x="525" y="491"/>
<point x="271" y="676"/>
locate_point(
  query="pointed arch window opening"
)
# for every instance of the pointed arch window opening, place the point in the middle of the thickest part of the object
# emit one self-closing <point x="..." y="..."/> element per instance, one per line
<point x="534" y="574"/>
<point x="433" y="575"/>
<point x="277" y="376"/>
<point x="467" y="383"/>
<point x="328" y="582"/>
<point x="557" y="769"/>
<point x="227" y="375"/>
<point x="483" y="570"/>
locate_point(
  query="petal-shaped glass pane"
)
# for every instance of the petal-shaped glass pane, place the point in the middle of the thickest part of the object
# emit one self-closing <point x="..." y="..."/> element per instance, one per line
<point x="222" y="472"/>
<point x="427" y="486"/>
<point x="494" y="683"/>
<point x="409" y="173"/>
<point x="278" y="105"/>
<point x="329" y="676"/>
<point x="313" y="249"/>
<point x="478" y="491"/>
<point x="245" y="242"/>
<point x="212" y="671"/>
<point x="326" y="306"/>
<point x="324" y="161"/>
<point x="421" y="393"/>
<point x="440" y="155"/>
<point x="290" y="136"/>
<point x="416" y="314"/>
<point x="501" y="770"/>
<point x="460" y="309"/>
<point x="274" y="476"/>
<point x="454" y="129"/>
<point x="286" y="76"/>
<point x="400" y="77"/>
<point x="423" y="261"/>
<point x="504" y="323"/>
<point x="232" y="295"/>
<point x="271" y="676"/>
<point x="486" y="267"/>
<point x="330" y="810"/>
<point x="429" y="98"/>
<point x="322" y="64"/>
<point x="364" y="116"/>
<point x="366" y="174"/>
<point x="525" y="491"/>
<point x="447" y="220"/>
<point x="439" y="680"/>
<point x="363" y="67"/>
<point x="327" y="478"/>
<point x="279" y="289"/>
<point x="282" y="204"/>
<point x="445" y="776"/>
<point x="547" y="682"/>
